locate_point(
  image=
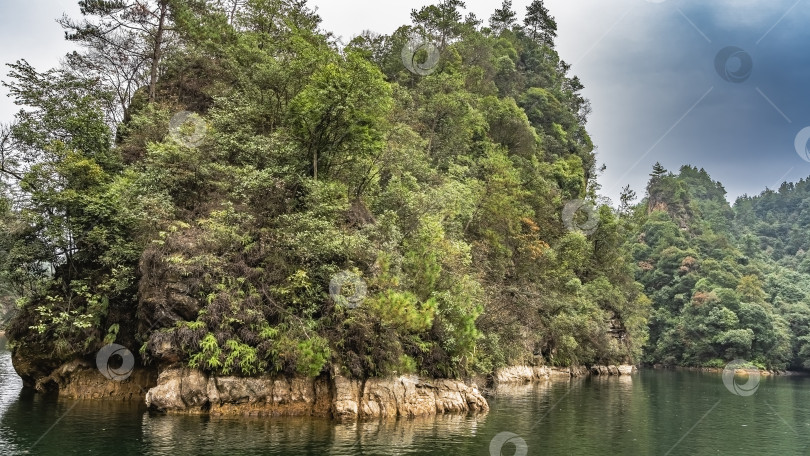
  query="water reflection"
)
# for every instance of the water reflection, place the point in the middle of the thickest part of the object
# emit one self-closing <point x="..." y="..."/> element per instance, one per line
<point x="164" y="435"/>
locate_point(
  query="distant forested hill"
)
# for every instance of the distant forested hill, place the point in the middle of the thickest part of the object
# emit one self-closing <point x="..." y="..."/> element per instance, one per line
<point x="726" y="282"/>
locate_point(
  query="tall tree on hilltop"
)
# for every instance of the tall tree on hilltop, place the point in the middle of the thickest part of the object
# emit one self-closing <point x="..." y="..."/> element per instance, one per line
<point x="653" y="186"/>
<point x="442" y="21"/>
<point x="125" y="42"/>
<point x="658" y="170"/>
<point x="503" y="18"/>
<point x="276" y="18"/>
<point x="540" y="24"/>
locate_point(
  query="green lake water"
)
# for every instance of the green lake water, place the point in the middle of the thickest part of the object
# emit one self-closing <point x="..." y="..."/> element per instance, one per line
<point x="649" y="413"/>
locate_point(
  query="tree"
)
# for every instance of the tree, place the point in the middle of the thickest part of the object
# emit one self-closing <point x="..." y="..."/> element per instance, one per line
<point x="442" y="22"/>
<point x="750" y="289"/>
<point x="503" y="18"/>
<point x="338" y="118"/>
<point x="540" y="24"/>
<point x="277" y="19"/>
<point x="65" y="110"/>
<point x="72" y="228"/>
<point x="658" y="170"/>
<point x="230" y="7"/>
<point x="125" y="43"/>
<point x="626" y="199"/>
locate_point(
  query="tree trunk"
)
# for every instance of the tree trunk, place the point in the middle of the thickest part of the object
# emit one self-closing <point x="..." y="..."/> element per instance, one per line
<point x="315" y="164"/>
<point x="157" y="50"/>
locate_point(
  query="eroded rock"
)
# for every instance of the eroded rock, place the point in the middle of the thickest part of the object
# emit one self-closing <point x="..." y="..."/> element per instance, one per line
<point x="80" y="379"/>
<point x="623" y="369"/>
<point x="183" y="390"/>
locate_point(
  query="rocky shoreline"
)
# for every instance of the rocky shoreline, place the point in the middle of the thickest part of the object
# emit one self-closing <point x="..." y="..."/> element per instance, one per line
<point x="719" y="370"/>
<point x="189" y="391"/>
<point x="177" y="389"/>
<point x="527" y="374"/>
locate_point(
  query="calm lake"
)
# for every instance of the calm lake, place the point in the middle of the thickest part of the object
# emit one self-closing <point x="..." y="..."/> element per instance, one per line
<point x="649" y="413"/>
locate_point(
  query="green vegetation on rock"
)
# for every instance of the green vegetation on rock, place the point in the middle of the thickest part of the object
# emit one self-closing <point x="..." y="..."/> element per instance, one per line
<point x="215" y="244"/>
<point x="189" y="186"/>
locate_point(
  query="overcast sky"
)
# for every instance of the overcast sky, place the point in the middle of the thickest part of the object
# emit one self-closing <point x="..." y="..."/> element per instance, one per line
<point x="649" y="67"/>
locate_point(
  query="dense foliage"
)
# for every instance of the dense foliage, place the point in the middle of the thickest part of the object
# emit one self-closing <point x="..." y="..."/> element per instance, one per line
<point x="214" y="242"/>
<point x="726" y="282"/>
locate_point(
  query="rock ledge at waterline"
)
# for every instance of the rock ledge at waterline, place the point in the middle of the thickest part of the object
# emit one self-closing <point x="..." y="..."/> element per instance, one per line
<point x="183" y="390"/>
<point x="525" y="374"/>
<point x="178" y="389"/>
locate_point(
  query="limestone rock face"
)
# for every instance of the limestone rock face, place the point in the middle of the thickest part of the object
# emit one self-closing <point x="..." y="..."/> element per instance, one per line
<point x="183" y="390"/>
<point x="78" y="379"/>
<point x="454" y="396"/>
<point x="525" y="374"/>
<point x="520" y="374"/>
<point x="410" y="396"/>
<point x="346" y="398"/>
<point x="32" y="365"/>
<point x="626" y="369"/>
<point x="179" y="388"/>
<point x="268" y="396"/>
<point x="623" y="369"/>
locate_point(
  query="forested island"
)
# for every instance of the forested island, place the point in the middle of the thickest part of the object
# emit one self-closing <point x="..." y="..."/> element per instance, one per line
<point x="224" y="188"/>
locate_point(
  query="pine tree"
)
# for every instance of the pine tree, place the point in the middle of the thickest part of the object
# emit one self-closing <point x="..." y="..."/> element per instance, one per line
<point x="125" y="43"/>
<point x="442" y="22"/>
<point x="658" y="170"/>
<point x="503" y="18"/>
<point x="626" y="198"/>
<point x="540" y="24"/>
